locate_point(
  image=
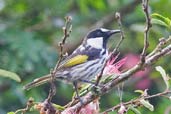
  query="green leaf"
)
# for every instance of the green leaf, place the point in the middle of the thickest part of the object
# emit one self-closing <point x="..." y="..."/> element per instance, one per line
<point x="147" y="104"/>
<point x="164" y="76"/>
<point x="58" y="107"/>
<point x="161" y="20"/>
<point x="135" y="110"/>
<point x="11" y="113"/>
<point x="139" y="91"/>
<point x="9" y="74"/>
<point x="100" y="4"/>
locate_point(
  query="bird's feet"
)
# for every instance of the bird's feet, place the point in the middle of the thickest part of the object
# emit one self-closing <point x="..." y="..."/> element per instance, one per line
<point x="96" y="88"/>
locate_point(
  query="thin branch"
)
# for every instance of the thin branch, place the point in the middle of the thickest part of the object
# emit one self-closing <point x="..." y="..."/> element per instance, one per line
<point x="162" y="42"/>
<point x="136" y="101"/>
<point x="66" y="30"/>
<point x="146" y="30"/>
<point x="118" y="17"/>
<point x="156" y="56"/>
<point x="30" y="103"/>
<point x="100" y="75"/>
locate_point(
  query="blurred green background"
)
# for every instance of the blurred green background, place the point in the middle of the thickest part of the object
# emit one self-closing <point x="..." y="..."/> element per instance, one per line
<point x="31" y="29"/>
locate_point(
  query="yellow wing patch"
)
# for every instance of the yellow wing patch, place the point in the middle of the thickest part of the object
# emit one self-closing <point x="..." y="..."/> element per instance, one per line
<point x="76" y="60"/>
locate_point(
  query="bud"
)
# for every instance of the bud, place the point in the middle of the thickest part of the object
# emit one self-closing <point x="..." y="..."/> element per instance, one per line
<point x="117" y="15"/>
<point x="122" y="109"/>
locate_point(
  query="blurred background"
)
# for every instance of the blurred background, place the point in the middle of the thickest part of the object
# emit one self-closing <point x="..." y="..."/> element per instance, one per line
<point x="31" y="29"/>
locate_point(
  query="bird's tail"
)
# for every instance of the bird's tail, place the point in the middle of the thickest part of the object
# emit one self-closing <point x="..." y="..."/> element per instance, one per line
<point x="38" y="81"/>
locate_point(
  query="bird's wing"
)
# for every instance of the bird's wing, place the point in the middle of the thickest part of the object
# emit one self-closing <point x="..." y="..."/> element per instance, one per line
<point x="68" y="62"/>
<point x="80" y="57"/>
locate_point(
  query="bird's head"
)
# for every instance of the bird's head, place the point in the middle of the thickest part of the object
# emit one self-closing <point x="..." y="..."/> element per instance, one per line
<point x="98" y="38"/>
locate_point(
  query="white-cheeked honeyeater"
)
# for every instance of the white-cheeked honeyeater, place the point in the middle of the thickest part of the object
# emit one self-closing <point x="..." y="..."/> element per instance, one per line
<point x="85" y="63"/>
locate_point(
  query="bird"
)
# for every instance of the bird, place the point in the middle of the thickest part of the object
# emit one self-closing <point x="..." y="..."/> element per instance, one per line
<point x="84" y="63"/>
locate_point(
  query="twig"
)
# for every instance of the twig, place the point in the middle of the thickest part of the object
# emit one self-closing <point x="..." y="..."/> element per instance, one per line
<point x="100" y="75"/>
<point x="146" y="30"/>
<point x="157" y="55"/>
<point x="136" y="101"/>
<point x="118" y="17"/>
<point x="162" y="42"/>
<point x="30" y="103"/>
<point x="66" y="30"/>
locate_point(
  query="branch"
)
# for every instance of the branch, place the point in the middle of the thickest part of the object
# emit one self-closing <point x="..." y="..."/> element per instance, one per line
<point x="148" y="26"/>
<point x="118" y="17"/>
<point x="66" y="30"/>
<point x="136" y="102"/>
<point x="30" y="103"/>
<point x="162" y="42"/>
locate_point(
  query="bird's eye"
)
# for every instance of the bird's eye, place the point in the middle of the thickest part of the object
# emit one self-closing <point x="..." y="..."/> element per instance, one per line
<point x="99" y="33"/>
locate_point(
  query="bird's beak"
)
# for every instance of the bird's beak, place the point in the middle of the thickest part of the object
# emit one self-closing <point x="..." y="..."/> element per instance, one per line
<point x="111" y="32"/>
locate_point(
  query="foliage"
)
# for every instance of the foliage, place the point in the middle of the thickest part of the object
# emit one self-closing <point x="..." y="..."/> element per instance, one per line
<point x="14" y="76"/>
<point x="161" y="20"/>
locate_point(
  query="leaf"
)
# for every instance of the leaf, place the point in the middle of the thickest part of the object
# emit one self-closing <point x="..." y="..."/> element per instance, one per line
<point x="164" y="76"/>
<point x="166" y="20"/>
<point x="11" y="113"/>
<point x="58" y="107"/>
<point x="139" y="91"/>
<point x="135" y="110"/>
<point x="100" y="5"/>
<point x="9" y="74"/>
<point x="161" y="20"/>
<point x="147" y="104"/>
<point x="143" y="93"/>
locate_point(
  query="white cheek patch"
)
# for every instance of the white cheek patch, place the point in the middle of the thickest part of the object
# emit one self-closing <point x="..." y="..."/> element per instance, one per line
<point x="104" y="30"/>
<point x="95" y="42"/>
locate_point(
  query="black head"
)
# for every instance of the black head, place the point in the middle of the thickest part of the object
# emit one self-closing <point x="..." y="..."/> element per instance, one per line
<point x="100" y="34"/>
